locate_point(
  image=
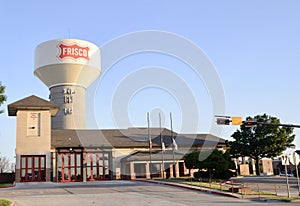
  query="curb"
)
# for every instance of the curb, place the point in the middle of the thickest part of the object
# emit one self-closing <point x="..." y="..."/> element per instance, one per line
<point x="190" y="187"/>
<point x="14" y="185"/>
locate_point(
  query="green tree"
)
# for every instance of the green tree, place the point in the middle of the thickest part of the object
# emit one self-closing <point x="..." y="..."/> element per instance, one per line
<point x="2" y="96"/>
<point x="261" y="140"/>
<point x="216" y="164"/>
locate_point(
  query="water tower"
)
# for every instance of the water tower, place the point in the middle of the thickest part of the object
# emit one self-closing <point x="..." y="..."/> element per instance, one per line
<point x="68" y="67"/>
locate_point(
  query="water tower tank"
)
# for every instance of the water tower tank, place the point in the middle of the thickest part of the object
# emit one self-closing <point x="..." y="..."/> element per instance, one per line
<point x="68" y="67"/>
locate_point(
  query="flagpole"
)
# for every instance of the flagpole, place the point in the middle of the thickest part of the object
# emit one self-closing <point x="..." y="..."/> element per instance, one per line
<point x="172" y="138"/>
<point x="150" y="146"/>
<point x="162" y="150"/>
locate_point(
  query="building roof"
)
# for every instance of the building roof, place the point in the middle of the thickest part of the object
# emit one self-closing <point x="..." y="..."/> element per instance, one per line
<point x="130" y="138"/>
<point x="155" y="156"/>
<point x="32" y="103"/>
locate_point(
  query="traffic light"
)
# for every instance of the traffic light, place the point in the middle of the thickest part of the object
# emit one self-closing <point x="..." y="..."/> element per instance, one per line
<point x="223" y="121"/>
<point x="250" y="123"/>
<point x="236" y="120"/>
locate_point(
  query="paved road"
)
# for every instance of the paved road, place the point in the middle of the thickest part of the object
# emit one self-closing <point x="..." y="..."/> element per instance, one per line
<point x="112" y="193"/>
<point x="273" y="184"/>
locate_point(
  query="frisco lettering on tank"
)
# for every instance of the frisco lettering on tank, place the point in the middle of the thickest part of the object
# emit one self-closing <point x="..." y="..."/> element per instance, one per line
<point x="73" y="51"/>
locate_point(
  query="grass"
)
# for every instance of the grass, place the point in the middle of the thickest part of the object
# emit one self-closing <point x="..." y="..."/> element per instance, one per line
<point x="216" y="185"/>
<point x="4" y="202"/>
<point x="6" y="185"/>
<point x="213" y="184"/>
<point x="190" y="181"/>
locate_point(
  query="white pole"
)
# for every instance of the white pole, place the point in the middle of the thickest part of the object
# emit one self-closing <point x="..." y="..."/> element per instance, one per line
<point x="162" y="149"/>
<point x="150" y="145"/>
<point x="286" y="176"/>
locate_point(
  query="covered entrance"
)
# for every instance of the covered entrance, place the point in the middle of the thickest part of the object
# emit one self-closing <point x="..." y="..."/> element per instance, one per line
<point x="138" y="165"/>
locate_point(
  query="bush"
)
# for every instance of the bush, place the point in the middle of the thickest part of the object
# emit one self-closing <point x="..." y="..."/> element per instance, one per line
<point x="201" y="174"/>
<point x="224" y="175"/>
<point x="4" y="202"/>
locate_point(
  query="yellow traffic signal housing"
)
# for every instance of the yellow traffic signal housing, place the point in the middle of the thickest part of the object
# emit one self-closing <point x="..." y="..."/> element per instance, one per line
<point x="236" y="120"/>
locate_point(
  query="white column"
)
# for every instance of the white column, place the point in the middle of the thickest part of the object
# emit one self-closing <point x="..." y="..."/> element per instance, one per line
<point x="132" y="173"/>
<point x="148" y="175"/>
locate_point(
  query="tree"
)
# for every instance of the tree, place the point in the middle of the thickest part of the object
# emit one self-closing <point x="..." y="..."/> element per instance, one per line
<point x="4" y="164"/>
<point x="2" y="96"/>
<point x="216" y="164"/>
<point x="262" y="140"/>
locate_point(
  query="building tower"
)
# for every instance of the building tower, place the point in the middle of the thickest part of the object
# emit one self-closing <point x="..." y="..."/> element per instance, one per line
<point x="68" y="67"/>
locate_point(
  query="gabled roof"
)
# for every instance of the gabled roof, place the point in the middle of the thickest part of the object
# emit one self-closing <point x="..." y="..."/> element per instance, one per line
<point x="130" y="138"/>
<point x="32" y="103"/>
<point x="95" y="138"/>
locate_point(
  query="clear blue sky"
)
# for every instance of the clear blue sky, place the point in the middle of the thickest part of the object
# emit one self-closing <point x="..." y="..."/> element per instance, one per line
<point x="254" y="45"/>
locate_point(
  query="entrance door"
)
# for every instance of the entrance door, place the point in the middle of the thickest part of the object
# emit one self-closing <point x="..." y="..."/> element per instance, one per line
<point x="33" y="168"/>
<point x="69" y="167"/>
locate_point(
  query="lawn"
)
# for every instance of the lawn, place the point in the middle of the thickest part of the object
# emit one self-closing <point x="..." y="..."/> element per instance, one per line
<point x="217" y="185"/>
<point x="220" y="185"/>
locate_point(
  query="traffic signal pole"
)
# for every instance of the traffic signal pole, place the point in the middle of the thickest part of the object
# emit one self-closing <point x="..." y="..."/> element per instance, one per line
<point x="225" y="120"/>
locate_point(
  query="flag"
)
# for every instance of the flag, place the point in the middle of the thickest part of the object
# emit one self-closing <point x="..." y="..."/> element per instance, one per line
<point x="174" y="144"/>
<point x="150" y="143"/>
<point x="163" y="147"/>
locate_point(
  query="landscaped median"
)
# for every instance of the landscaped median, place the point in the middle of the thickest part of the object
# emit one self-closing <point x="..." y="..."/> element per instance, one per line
<point x="194" y="185"/>
<point x="225" y="188"/>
